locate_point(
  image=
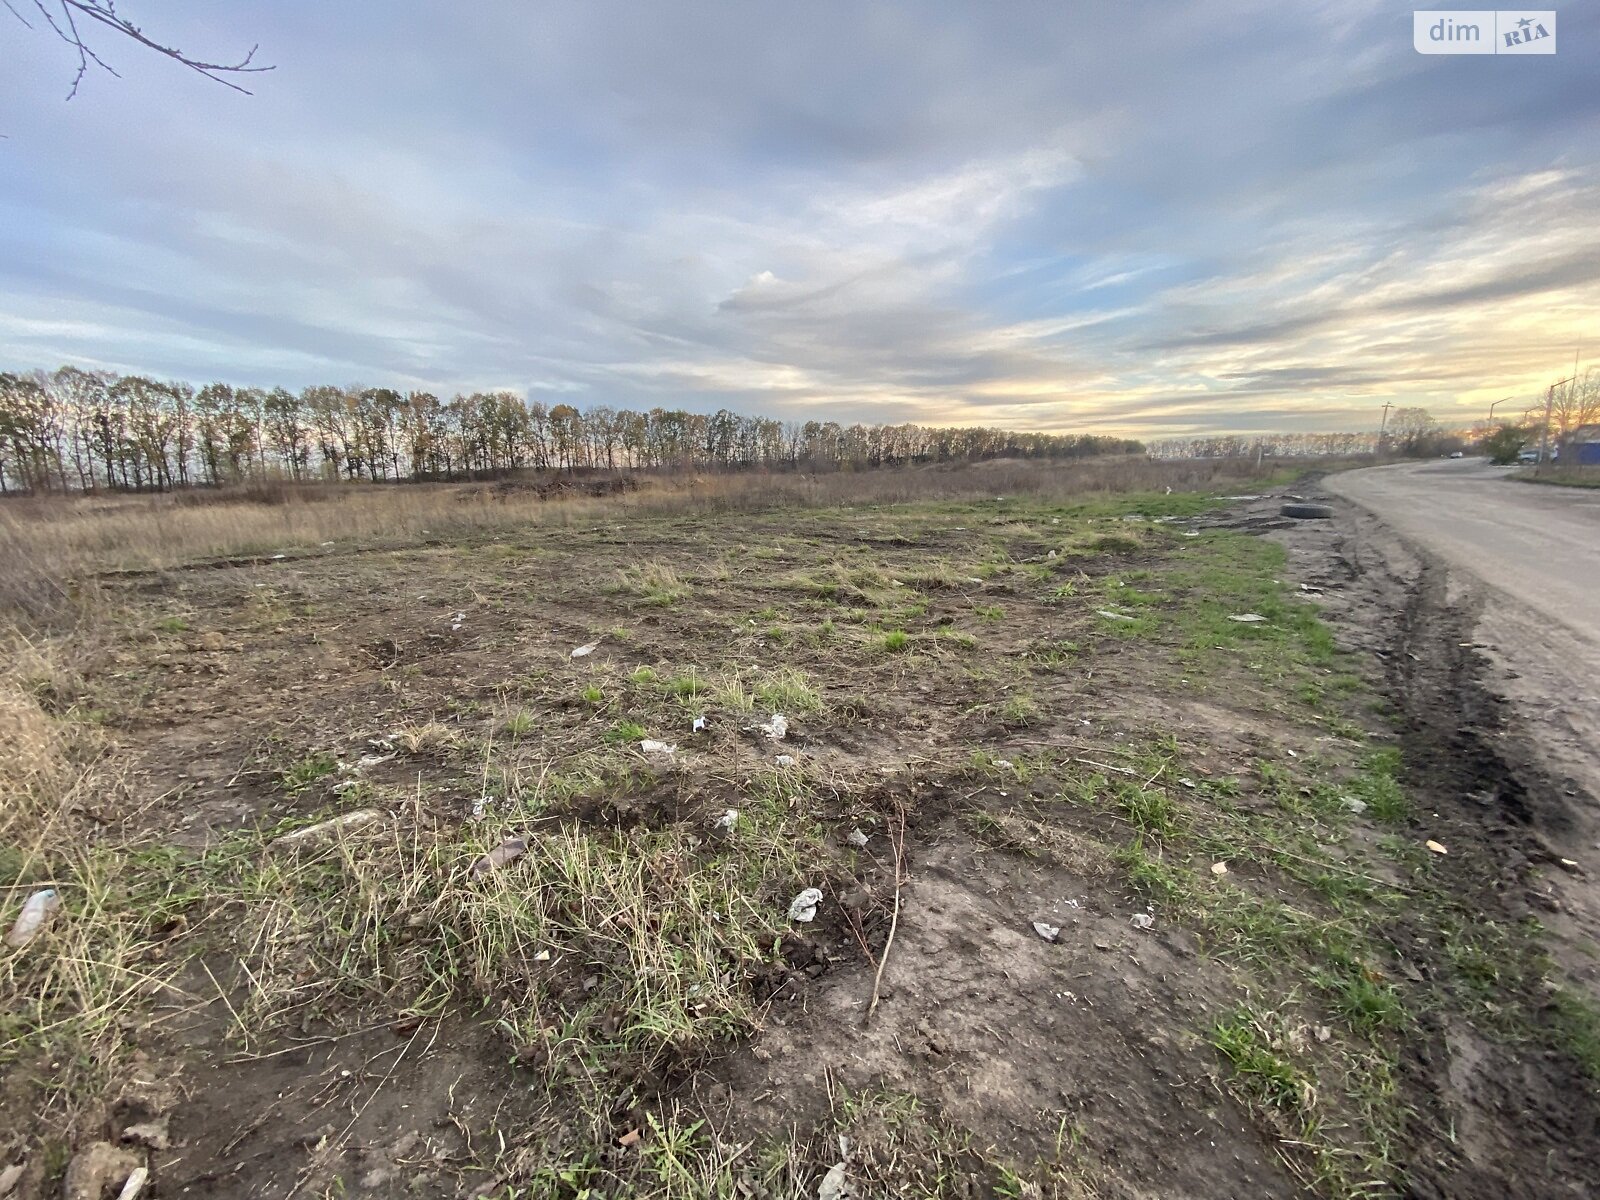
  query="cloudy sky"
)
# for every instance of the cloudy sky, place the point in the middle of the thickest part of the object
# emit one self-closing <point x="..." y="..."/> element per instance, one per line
<point x="1152" y="218"/>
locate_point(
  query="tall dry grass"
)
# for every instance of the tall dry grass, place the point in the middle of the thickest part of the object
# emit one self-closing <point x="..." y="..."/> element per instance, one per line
<point x="52" y="547"/>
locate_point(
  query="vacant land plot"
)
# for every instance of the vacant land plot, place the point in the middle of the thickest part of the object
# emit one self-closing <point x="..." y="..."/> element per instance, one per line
<point x="426" y="865"/>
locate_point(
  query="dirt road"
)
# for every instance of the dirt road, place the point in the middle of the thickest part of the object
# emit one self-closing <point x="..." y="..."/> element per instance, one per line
<point x="1539" y="546"/>
<point x="1505" y="600"/>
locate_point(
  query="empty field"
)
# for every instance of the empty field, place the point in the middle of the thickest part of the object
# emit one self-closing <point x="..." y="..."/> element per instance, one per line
<point x="459" y="857"/>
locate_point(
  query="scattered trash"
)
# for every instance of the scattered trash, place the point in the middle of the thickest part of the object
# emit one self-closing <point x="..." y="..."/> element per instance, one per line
<point x="631" y="1138"/>
<point x="1188" y="783"/>
<point x="1569" y="864"/>
<point x="373" y="760"/>
<point x="346" y="785"/>
<point x="1055" y="520"/>
<point x="834" y="1186"/>
<point x="651" y="746"/>
<point x="277" y="557"/>
<point x="1219" y="868"/>
<point x="1307" y="512"/>
<point x="1006" y="763"/>
<point x="1322" y="1032"/>
<point x="857" y="839"/>
<point x="699" y="724"/>
<point x="1052" y="554"/>
<point x="136" y="1181"/>
<point x="1190" y="533"/>
<point x="1356" y="806"/>
<point x="728" y="820"/>
<point x="35" y="914"/>
<point x="784" y="760"/>
<point x="1142" y="920"/>
<point x="974" y="579"/>
<point x="775" y="728"/>
<point x="1112" y="616"/>
<point x="1247" y="618"/>
<point x="1292" y="753"/>
<point x="325" y="543"/>
<point x="585" y="650"/>
<point x="542" y="956"/>
<point x="503" y="855"/>
<point x="1436" y="847"/>
<point x="804" y="906"/>
<point x="478" y="806"/>
<point x="312" y="833"/>
<point x="1048" y="932"/>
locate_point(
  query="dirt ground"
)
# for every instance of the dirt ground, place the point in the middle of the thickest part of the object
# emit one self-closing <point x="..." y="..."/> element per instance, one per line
<point x="1163" y="920"/>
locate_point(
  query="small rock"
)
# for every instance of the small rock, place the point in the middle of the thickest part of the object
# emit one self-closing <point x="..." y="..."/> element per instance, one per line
<point x="1436" y="847"/>
<point x="1101" y="944"/>
<point x="1219" y="868"/>
<point x="97" y="1169"/>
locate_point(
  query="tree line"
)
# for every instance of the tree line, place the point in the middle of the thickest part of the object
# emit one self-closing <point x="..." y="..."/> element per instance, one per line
<point x="75" y="429"/>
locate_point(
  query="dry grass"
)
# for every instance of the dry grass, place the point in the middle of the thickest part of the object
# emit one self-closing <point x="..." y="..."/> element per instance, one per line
<point x="54" y="545"/>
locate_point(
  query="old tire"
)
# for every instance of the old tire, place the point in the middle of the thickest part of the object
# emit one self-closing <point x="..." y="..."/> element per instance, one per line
<point x="1308" y="512"/>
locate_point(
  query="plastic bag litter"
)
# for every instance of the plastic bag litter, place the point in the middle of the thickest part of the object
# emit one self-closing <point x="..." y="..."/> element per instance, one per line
<point x="503" y="855"/>
<point x="1247" y="618"/>
<point x="775" y="728"/>
<point x="1142" y="920"/>
<point x="834" y="1185"/>
<point x="804" y="906"/>
<point x="1048" y="932"/>
<point x="857" y="839"/>
<point x="1112" y="616"/>
<point x="479" y="805"/>
<point x="651" y="746"/>
<point x="784" y="760"/>
<point x="728" y="820"/>
<point x="699" y="724"/>
<point x="35" y="914"/>
<point x="373" y="760"/>
<point x="584" y="650"/>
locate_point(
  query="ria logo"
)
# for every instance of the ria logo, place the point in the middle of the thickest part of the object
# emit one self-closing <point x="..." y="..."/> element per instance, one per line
<point x="1484" y="31"/>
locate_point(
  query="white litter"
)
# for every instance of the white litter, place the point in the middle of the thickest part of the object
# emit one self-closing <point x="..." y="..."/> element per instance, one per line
<point x="1436" y="847"/>
<point x="1048" y="932"/>
<point x="834" y="1185"/>
<point x="1055" y="520"/>
<point x="728" y="820"/>
<point x="804" y="906"/>
<point x="1247" y="618"/>
<point x="36" y="912"/>
<point x="542" y="956"/>
<point x="784" y="760"/>
<point x="349" y="820"/>
<point x="1142" y="920"/>
<point x="1190" y="533"/>
<point x="1006" y="763"/>
<point x="327" y="543"/>
<point x="1052" y="554"/>
<point x="276" y="557"/>
<point x="372" y="760"/>
<point x="1112" y="616"/>
<point x="479" y="805"/>
<point x="775" y="728"/>
<point x="651" y="746"/>
<point x="857" y="839"/>
<point x="699" y="724"/>
<point x="583" y="651"/>
<point x="1219" y="868"/>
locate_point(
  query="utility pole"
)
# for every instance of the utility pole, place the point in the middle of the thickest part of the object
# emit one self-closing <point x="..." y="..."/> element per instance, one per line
<point x="1383" y="430"/>
<point x="1496" y="405"/>
<point x="1544" y="437"/>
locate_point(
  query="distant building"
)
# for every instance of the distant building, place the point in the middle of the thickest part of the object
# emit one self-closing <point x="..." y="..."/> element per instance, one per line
<point x="1581" y="447"/>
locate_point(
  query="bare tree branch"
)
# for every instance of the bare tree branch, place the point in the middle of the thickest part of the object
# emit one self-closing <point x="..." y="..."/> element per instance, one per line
<point x="65" y="25"/>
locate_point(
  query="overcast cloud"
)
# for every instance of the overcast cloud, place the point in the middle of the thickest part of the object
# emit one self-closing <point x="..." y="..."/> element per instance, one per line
<point x="1143" y="218"/>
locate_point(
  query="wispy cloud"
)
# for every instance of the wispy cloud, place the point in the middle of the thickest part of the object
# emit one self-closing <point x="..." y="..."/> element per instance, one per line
<point x="1146" y="219"/>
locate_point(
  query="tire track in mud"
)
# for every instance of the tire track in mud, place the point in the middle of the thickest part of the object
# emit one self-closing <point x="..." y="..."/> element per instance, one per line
<point x="1499" y="1109"/>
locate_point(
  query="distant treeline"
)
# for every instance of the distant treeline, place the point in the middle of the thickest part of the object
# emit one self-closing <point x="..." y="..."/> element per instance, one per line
<point x="88" y="430"/>
<point x="1290" y="445"/>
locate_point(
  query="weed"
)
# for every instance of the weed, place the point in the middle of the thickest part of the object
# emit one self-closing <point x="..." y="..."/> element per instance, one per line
<point x="301" y="774"/>
<point x="894" y="641"/>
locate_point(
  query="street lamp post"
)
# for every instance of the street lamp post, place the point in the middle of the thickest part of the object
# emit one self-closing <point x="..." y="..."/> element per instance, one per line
<point x="1496" y="405"/>
<point x="1544" y="438"/>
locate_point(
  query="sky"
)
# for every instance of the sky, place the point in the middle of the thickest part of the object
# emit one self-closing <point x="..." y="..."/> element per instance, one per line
<point x="1150" y="219"/>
